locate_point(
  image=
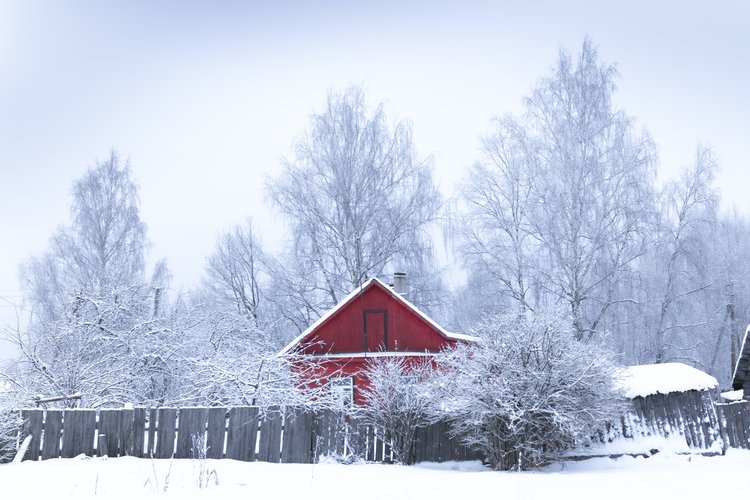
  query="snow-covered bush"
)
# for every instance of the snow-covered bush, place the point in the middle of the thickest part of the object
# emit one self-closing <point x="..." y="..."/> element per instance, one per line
<point x="10" y="423"/>
<point x="527" y="390"/>
<point x="395" y="402"/>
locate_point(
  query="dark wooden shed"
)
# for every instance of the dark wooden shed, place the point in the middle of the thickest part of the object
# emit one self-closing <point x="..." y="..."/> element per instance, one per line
<point x="741" y="376"/>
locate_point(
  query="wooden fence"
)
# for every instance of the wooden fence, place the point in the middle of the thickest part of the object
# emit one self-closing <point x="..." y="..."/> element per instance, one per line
<point x="293" y="435"/>
<point x="286" y="435"/>
<point x="688" y="415"/>
<point x="734" y="423"/>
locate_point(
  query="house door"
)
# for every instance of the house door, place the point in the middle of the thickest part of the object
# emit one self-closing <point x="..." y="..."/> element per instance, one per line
<point x="376" y="330"/>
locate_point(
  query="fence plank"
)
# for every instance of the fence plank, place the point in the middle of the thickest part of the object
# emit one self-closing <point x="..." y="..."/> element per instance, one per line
<point x="695" y="417"/>
<point x="139" y="431"/>
<point x="743" y="423"/>
<point x="126" y="432"/>
<point x="416" y="444"/>
<point x="109" y="426"/>
<point x="322" y="430"/>
<point x="165" y="437"/>
<point x="217" y="423"/>
<point x="32" y="426"/>
<point x="370" y="433"/>
<point x="191" y="432"/>
<point x="729" y="426"/>
<point x="303" y="442"/>
<point x="735" y="422"/>
<point x="52" y="430"/>
<point x="722" y="417"/>
<point x="357" y="439"/>
<point x="151" y="443"/>
<point x="242" y="433"/>
<point x="88" y="431"/>
<point x="101" y="445"/>
<point x="270" y="436"/>
<point x="68" y="434"/>
<point x="378" y="457"/>
<point x="290" y="436"/>
<point x="78" y="432"/>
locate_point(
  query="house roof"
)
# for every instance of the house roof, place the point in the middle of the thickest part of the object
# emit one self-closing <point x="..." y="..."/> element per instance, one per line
<point x="742" y="368"/>
<point x="355" y="293"/>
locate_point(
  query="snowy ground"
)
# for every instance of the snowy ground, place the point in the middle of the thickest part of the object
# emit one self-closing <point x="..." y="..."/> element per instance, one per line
<point x="661" y="476"/>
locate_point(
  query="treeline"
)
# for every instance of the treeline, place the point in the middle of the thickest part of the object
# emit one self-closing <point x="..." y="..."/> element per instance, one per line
<point x="560" y="212"/>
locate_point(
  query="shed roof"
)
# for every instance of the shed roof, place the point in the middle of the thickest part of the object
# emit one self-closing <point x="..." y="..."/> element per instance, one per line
<point x="355" y="293"/>
<point x="664" y="378"/>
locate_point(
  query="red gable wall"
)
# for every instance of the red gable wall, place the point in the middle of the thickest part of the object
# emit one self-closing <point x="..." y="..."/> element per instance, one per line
<point x="391" y="326"/>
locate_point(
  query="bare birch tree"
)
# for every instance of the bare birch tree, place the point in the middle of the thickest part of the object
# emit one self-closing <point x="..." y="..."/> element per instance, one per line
<point x="359" y="200"/>
<point x="234" y="270"/>
<point x="566" y="187"/>
<point x="500" y="197"/>
<point x="596" y="173"/>
<point x="96" y="326"/>
<point x="688" y="213"/>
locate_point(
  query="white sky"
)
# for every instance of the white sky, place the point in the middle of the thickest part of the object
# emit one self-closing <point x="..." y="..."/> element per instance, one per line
<point x="204" y="98"/>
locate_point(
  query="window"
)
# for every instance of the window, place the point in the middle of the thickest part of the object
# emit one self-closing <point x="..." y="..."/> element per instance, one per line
<point x="342" y="391"/>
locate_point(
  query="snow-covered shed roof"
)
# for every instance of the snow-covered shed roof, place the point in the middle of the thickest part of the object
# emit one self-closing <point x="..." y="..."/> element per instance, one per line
<point x="353" y="294"/>
<point x="664" y="378"/>
<point x="733" y="395"/>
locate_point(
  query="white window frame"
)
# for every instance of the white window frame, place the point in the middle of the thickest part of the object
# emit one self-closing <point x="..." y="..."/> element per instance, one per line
<point x="342" y="391"/>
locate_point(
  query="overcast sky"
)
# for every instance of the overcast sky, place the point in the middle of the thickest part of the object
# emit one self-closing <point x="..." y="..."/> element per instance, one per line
<point x="205" y="97"/>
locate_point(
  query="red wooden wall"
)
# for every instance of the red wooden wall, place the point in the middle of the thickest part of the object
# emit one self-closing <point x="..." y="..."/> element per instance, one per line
<point x="390" y="326"/>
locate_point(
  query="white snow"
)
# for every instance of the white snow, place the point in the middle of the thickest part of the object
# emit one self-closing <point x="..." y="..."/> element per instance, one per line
<point x="674" y="443"/>
<point x="733" y="395"/>
<point x="645" y="380"/>
<point x="661" y="476"/>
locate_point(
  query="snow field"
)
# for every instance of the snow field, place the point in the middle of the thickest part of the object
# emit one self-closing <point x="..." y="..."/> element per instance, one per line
<point x="662" y="476"/>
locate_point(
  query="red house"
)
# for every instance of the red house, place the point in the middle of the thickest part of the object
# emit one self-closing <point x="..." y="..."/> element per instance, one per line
<point x="374" y="320"/>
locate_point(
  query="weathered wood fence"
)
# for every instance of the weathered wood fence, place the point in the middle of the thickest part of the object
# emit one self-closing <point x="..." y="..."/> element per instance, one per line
<point x="293" y="435"/>
<point x="286" y="435"/>
<point x="689" y="415"/>
<point x="734" y="423"/>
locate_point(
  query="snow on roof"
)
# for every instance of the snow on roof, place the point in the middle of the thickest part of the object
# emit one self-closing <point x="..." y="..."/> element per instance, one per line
<point x="357" y="291"/>
<point x="645" y="380"/>
<point x="733" y="395"/>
